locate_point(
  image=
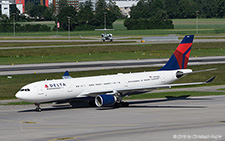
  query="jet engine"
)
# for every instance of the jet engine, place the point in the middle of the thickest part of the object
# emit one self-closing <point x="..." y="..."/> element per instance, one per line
<point x="105" y="100"/>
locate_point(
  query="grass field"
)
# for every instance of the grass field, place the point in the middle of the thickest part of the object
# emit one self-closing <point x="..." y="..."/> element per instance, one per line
<point x="98" y="53"/>
<point x="182" y="26"/>
<point x="8" y="87"/>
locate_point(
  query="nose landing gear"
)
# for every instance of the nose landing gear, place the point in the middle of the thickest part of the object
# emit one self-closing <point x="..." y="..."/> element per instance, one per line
<point x="38" y="109"/>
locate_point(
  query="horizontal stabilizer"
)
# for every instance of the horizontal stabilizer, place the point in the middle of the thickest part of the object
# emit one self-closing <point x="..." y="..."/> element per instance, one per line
<point x="211" y="79"/>
<point x="182" y="73"/>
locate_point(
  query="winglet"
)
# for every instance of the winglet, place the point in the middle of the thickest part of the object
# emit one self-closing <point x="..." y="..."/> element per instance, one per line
<point x="211" y="79"/>
<point x="66" y="75"/>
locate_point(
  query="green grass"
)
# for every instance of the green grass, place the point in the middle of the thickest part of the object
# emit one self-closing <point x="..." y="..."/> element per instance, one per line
<point x="16" y="103"/>
<point x="175" y="94"/>
<point x="222" y="89"/>
<point x="9" y="87"/>
<point x="98" y="53"/>
<point x="202" y="23"/>
<point x="182" y="26"/>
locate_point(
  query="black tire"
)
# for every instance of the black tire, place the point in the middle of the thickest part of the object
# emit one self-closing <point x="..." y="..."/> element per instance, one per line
<point x="92" y="103"/>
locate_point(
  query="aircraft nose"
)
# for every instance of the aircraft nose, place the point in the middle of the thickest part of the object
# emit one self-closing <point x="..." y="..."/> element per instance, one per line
<point x="19" y="95"/>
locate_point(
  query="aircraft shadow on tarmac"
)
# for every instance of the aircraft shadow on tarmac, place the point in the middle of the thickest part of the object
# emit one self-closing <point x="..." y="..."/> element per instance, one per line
<point x="85" y="105"/>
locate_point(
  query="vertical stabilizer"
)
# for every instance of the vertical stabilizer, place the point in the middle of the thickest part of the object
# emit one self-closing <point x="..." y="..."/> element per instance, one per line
<point x="179" y="59"/>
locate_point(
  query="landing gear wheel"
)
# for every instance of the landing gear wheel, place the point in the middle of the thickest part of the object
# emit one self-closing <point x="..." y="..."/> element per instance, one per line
<point x="125" y="104"/>
<point x="121" y="104"/>
<point x="111" y="40"/>
<point x="38" y="109"/>
<point x="92" y="103"/>
<point x="116" y="105"/>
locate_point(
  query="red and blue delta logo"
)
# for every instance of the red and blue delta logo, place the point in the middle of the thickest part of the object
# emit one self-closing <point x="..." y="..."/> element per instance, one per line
<point x="54" y="86"/>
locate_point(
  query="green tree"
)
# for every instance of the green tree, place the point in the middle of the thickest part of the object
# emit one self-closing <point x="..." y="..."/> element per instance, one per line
<point x="149" y="15"/>
<point x="62" y="4"/>
<point x="85" y="17"/>
<point x="111" y="11"/>
<point x="14" y="11"/>
<point x="187" y="9"/>
<point x="221" y="8"/>
<point x="172" y="8"/>
<point x="63" y="15"/>
<point x="29" y="6"/>
<point x="40" y="12"/>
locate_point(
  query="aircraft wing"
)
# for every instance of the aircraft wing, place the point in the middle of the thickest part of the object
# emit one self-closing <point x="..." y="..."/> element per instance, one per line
<point x="103" y="29"/>
<point x="116" y="38"/>
<point x="125" y="91"/>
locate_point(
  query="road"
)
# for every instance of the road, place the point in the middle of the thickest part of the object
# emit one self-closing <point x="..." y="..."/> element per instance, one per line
<point x="137" y="42"/>
<point x="156" y="119"/>
<point x="99" y="65"/>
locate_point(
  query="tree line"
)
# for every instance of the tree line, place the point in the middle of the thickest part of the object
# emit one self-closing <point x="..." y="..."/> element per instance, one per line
<point x="156" y="14"/>
<point x="147" y="14"/>
<point x="84" y="19"/>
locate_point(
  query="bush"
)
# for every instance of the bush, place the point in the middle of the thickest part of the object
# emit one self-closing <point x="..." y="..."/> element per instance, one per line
<point x="8" y="27"/>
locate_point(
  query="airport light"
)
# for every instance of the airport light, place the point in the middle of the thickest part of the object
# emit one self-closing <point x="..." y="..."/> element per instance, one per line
<point x="105" y="19"/>
<point x="57" y="25"/>
<point x="69" y="27"/>
<point x="196" y="22"/>
<point x="14" y="24"/>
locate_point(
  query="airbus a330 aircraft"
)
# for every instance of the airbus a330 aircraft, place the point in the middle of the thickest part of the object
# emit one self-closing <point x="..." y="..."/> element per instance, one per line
<point x="108" y="90"/>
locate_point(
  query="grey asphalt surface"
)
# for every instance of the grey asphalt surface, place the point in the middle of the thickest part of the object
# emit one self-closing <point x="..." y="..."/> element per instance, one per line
<point x="99" y="65"/>
<point x="195" y="118"/>
<point x="138" y="42"/>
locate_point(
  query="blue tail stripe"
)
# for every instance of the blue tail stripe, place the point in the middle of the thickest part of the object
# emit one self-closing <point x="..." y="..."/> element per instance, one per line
<point x="172" y="64"/>
<point x="187" y="39"/>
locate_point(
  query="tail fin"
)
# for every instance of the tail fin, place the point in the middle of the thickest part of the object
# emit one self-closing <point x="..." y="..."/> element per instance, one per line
<point x="179" y="59"/>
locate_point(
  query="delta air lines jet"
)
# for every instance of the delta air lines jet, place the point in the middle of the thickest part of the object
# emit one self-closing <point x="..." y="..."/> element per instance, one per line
<point x="108" y="90"/>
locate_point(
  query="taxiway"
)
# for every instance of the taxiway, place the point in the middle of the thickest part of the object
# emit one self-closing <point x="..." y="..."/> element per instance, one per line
<point x="99" y="65"/>
<point x="155" y="119"/>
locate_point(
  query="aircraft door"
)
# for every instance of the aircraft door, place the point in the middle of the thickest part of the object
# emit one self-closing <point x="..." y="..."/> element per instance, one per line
<point x="40" y="90"/>
<point x="162" y="78"/>
<point x="70" y="89"/>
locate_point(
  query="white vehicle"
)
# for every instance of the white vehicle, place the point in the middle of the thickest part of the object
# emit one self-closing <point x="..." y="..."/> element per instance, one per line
<point x="108" y="90"/>
<point x="107" y="37"/>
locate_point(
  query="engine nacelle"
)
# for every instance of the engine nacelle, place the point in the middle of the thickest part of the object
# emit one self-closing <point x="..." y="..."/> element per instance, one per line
<point x="105" y="100"/>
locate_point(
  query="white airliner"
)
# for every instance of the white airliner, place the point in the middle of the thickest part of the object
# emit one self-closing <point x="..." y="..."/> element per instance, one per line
<point x="108" y="90"/>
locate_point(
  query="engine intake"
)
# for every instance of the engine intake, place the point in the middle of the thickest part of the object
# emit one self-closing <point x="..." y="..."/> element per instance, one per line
<point x="105" y="100"/>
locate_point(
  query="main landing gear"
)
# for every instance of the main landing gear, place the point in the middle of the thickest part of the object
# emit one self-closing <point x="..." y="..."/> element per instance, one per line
<point x="121" y="104"/>
<point x="38" y="109"/>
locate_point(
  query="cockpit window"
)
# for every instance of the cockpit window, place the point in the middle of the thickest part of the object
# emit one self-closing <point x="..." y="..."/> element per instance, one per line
<point x="25" y="90"/>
